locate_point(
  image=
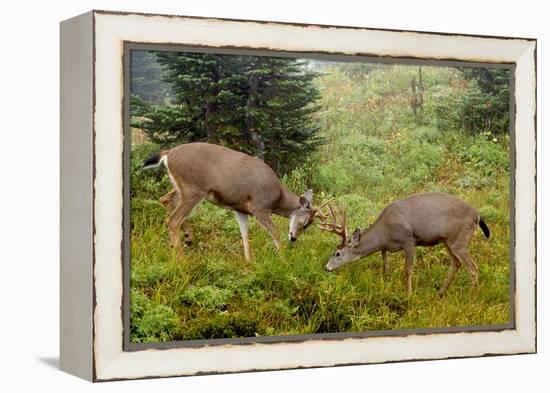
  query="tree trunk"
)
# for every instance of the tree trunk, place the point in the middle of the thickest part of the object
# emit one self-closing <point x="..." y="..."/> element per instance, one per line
<point x="417" y="90"/>
<point x="414" y="104"/>
<point x="420" y="88"/>
<point x="251" y="104"/>
<point x="252" y="134"/>
<point x="209" y="121"/>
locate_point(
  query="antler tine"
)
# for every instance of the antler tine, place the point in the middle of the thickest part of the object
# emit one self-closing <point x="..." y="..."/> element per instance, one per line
<point x="344" y="222"/>
<point x="336" y="227"/>
<point x="319" y="210"/>
<point x="325" y="203"/>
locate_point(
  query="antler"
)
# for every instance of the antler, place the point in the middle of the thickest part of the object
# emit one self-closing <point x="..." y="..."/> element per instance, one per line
<point x="333" y="226"/>
<point x="316" y="211"/>
<point x="320" y="208"/>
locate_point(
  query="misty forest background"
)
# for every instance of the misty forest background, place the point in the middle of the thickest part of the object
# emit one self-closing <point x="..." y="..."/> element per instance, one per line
<point x="363" y="133"/>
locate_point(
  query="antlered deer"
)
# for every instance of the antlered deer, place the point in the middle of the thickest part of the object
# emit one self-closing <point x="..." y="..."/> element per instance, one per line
<point x="418" y="220"/>
<point x="231" y="180"/>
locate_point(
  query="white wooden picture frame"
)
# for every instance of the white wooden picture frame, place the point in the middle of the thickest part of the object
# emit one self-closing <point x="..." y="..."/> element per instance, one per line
<point x="93" y="180"/>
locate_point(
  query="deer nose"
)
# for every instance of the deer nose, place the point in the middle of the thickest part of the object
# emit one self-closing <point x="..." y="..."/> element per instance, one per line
<point x="293" y="239"/>
<point x="327" y="269"/>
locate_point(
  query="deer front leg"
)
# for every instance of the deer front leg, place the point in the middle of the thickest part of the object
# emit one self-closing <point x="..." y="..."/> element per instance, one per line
<point x="264" y="218"/>
<point x="242" y="219"/>
<point x="385" y="262"/>
<point x="410" y="252"/>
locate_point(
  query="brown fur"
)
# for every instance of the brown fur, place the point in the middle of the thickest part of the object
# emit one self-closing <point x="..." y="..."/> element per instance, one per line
<point x="418" y="220"/>
<point x="226" y="178"/>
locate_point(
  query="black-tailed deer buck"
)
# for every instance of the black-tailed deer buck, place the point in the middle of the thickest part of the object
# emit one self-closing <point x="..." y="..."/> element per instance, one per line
<point x="231" y="180"/>
<point x="418" y="220"/>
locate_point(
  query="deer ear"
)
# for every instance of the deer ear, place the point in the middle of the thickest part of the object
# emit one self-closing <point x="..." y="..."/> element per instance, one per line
<point x="304" y="202"/>
<point x="355" y="237"/>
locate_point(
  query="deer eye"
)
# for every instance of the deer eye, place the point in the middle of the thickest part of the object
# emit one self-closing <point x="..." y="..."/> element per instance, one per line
<point x="338" y="254"/>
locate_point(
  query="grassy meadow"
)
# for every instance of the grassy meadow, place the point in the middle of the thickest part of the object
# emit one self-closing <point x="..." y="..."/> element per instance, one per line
<point x="375" y="150"/>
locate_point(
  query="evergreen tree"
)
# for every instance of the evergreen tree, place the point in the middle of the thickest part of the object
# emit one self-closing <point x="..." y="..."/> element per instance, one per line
<point x="146" y="74"/>
<point x="485" y="105"/>
<point x="258" y="105"/>
<point x="284" y="96"/>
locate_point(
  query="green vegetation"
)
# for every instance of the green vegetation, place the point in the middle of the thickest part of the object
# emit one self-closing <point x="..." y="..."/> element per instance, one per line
<point x="257" y="105"/>
<point x="377" y="149"/>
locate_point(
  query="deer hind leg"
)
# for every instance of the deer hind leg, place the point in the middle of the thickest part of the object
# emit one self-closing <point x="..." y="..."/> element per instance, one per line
<point x="470" y="265"/>
<point x="178" y="216"/>
<point x="453" y="268"/>
<point x="459" y="248"/>
<point x="410" y="252"/>
<point x="264" y="218"/>
<point x="242" y="219"/>
<point x="187" y="233"/>
<point x="170" y="201"/>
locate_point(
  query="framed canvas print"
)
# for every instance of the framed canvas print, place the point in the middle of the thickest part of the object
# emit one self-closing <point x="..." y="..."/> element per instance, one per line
<point x="247" y="195"/>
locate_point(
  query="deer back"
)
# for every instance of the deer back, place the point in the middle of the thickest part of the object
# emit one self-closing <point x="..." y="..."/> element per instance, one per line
<point x="227" y="177"/>
<point x="428" y="217"/>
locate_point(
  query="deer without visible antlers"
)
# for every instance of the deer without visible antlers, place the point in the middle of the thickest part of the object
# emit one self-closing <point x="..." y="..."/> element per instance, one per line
<point x="231" y="180"/>
<point x="418" y="220"/>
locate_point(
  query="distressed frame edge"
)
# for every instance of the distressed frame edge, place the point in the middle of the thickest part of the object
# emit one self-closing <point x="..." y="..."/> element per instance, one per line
<point x="528" y="340"/>
<point x="305" y="24"/>
<point x="526" y="289"/>
<point x="257" y="370"/>
<point x="524" y="346"/>
<point x="76" y="196"/>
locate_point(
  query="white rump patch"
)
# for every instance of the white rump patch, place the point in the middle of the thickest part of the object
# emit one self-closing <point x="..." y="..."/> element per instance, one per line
<point x="164" y="160"/>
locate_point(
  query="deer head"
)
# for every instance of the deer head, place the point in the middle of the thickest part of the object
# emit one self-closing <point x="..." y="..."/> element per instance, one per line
<point x="302" y="217"/>
<point x="334" y="220"/>
<point x="346" y="252"/>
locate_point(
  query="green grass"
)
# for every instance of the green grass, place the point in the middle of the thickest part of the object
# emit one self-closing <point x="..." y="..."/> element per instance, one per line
<point x="375" y="153"/>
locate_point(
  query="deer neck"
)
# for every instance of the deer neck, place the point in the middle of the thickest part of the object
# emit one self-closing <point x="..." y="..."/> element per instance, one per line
<point x="287" y="203"/>
<point x="371" y="241"/>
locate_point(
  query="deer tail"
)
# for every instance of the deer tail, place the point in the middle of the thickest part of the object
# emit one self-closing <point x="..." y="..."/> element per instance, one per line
<point x="155" y="160"/>
<point x="484" y="228"/>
